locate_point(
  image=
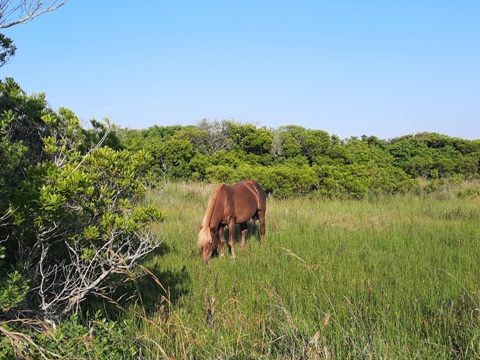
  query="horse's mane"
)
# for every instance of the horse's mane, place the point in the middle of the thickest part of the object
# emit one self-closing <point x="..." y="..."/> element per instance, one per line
<point x="204" y="236"/>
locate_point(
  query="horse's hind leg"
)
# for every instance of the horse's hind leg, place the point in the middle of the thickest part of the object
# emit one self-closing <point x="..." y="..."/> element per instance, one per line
<point x="244" y="228"/>
<point x="231" y="237"/>
<point x="261" y="218"/>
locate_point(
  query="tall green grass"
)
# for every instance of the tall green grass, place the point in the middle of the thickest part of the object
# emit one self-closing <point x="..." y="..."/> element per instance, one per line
<point x="385" y="278"/>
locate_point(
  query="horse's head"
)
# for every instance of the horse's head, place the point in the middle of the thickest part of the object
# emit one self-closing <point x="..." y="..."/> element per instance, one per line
<point x="208" y="241"/>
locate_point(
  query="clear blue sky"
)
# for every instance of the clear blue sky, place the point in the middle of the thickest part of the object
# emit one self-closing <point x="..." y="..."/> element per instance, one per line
<point x="349" y="67"/>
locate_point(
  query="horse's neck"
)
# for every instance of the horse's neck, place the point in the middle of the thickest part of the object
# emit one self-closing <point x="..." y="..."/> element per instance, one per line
<point x="221" y="208"/>
<point x="217" y="216"/>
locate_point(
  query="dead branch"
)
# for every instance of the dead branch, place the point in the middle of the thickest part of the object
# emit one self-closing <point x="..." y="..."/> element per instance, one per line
<point x="17" y="12"/>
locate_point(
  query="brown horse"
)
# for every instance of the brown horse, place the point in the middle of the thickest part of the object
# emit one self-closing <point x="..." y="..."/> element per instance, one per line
<point x="231" y="205"/>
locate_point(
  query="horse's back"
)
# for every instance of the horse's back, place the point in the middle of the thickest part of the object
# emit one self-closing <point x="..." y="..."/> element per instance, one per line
<point x="248" y="194"/>
<point x="261" y="196"/>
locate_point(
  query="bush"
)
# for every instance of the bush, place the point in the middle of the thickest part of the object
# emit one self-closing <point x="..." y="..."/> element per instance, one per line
<point x="281" y="181"/>
<point x="70" y="222"/>
<point x="358" y="181"/>
<point x="95" y="338"/>
<point x="80" y="225"/>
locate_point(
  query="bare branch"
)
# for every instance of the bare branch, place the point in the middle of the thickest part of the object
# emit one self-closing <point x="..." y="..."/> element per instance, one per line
<point x="17" y="12"/>
<point x="4" y="217"/>
<point x="63" y="285"/>
<point x="100" y="143"/>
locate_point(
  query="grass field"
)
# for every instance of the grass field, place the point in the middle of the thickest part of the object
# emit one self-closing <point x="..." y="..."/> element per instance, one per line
<point x="387" y="278"/>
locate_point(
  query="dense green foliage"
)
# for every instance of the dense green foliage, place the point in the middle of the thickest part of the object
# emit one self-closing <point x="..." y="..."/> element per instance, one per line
<point x="70" y="223"/>
<point x="293" y="160"/>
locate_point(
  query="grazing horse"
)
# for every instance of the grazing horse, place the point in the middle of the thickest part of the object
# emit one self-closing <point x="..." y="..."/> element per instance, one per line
<point x="231" y="205"/>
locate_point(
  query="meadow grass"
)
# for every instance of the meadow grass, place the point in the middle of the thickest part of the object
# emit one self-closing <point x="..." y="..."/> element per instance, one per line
<point x="385" y="278"/>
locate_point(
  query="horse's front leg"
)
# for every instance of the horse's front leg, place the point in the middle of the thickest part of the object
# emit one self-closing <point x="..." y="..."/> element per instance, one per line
<point x="221" y="237"/>
<point x="244" y="228"/>
<point x="231" y="237"/>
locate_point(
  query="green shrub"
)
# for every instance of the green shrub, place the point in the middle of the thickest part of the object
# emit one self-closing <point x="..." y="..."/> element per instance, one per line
<point x="74" y="338"/>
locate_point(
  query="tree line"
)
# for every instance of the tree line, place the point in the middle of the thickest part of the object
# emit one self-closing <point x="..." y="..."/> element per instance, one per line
<point x="293" y="160"/>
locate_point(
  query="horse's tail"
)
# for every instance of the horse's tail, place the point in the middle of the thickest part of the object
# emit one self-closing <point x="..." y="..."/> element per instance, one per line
<point x="204" y="236"/>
